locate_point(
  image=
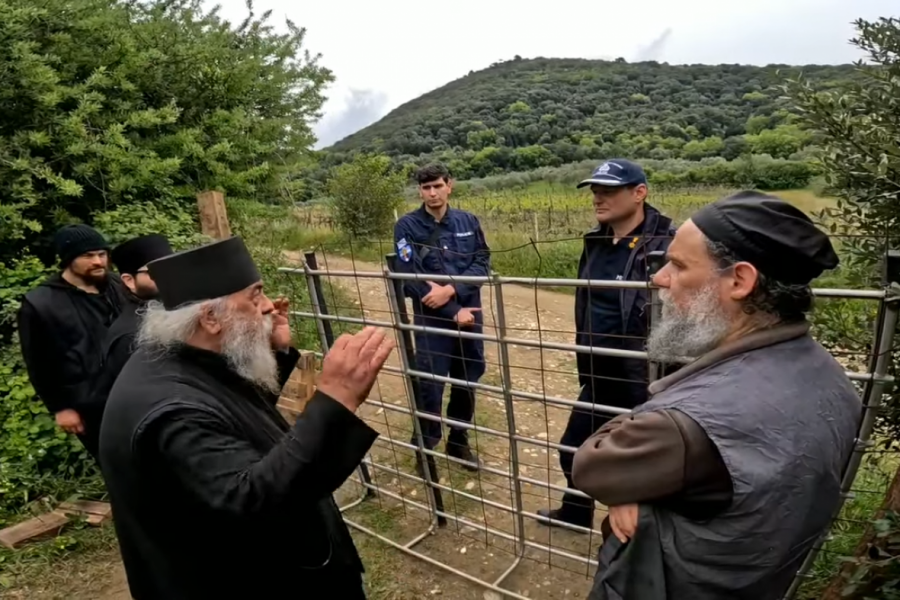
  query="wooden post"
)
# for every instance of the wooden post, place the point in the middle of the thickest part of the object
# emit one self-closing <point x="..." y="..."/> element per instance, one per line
<point x="213" y="216"/>
<point x="536" y="228"/>
<point x="300" y="387"/>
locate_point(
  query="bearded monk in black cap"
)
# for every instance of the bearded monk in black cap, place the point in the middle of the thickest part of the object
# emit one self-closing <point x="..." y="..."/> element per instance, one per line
<point x="214" y="494"/>
<point x="130" y="258"/>
<point x="719" y="485"/>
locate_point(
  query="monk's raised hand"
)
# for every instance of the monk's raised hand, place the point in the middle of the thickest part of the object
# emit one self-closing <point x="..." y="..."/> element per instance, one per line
<point x="351" y="366"/>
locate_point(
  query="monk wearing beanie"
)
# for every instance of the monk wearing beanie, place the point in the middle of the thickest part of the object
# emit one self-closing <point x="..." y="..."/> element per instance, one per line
<point x="720" y="484"/>
<point x="62" y="323"/>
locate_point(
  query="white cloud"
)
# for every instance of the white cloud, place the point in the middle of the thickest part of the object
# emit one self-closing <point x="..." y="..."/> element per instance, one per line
<point x="387" y="53"/>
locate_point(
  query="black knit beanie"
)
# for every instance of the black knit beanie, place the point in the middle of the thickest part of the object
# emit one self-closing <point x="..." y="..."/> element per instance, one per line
<point x="72" y="241"/>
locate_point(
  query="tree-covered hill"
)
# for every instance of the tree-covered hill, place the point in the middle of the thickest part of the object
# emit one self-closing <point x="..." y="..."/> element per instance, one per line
<point x="523" y="114"/>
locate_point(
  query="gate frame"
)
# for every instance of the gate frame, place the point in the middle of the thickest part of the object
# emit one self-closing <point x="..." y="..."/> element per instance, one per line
<point x="877" y="382"/>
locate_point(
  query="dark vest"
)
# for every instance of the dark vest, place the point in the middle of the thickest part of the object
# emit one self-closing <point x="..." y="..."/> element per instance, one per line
<point x="784" y="418"/>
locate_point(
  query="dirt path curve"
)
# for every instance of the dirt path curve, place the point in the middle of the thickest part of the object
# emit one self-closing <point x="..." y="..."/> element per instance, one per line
<point x="531" y="314"/>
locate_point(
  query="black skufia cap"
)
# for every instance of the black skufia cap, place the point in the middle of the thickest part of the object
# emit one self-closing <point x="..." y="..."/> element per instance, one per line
<point x="773" y="235"/>
<point x="211" y="271"/>
<point x="131" y="256"/>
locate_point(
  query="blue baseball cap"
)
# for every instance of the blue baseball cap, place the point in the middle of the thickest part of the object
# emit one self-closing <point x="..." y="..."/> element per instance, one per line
<point x="616" y="173"/>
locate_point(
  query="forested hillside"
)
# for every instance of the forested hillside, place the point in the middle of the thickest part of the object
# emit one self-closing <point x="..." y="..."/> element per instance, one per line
<point x="524" y="114"/>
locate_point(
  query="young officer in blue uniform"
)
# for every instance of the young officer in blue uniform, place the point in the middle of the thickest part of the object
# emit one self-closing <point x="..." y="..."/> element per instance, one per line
<point x="616" y="249"/>
<point x="437" y="239"/>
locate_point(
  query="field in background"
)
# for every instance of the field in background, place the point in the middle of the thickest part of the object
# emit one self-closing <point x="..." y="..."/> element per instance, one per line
<point x="52" y="570"/>
<point x="534" y="232"/>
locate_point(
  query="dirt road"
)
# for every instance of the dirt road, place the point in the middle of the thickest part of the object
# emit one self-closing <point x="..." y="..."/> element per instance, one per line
<point x="533" y="314"/>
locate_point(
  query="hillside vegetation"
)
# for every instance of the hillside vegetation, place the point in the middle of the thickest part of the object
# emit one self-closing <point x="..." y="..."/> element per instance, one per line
<point x="521" y="114"/>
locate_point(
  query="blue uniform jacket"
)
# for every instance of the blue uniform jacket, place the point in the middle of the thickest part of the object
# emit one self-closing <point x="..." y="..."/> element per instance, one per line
<point x="455" y="245"/>
<point x="658" y="232"/>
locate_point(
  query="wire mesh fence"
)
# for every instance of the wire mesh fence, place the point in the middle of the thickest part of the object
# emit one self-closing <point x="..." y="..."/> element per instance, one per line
<point x="483" y="525"/>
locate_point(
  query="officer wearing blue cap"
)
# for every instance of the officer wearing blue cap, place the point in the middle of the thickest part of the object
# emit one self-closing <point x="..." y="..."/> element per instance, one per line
<point x="616" y="249"/>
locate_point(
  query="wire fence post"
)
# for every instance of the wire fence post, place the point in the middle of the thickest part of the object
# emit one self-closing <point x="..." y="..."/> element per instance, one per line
<point x="655" y="261"/>
<point x="885" y="329"/>
<point x="316" y="290"/>
<point x="654" y="369"/>
<point x="396" y="299"/>
<point x="326" y="335"/>
<point x="506" y="383"/>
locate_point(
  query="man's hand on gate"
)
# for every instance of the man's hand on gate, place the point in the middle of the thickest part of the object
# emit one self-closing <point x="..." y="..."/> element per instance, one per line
<point x="438" y="296"/>
<point x="69" y="421"/>
<point x="466" y="316"/>
<point x="623" y="520"/>
<point x="351" y="366"/>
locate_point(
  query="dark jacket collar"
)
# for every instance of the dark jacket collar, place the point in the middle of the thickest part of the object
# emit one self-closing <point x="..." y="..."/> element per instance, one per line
<point x="426" y="216"/>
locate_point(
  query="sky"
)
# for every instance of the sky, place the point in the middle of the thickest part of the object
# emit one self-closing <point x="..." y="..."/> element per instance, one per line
<point x="386" y="53"/>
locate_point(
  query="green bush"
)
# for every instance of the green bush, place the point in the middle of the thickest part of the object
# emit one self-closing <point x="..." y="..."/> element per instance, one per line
<point x="36" y="458"/>
<point x="116" y="114"/>
<point x="858" y="130"/>
<point x="106" y="103"/>
<point x="364" y="195"/>
<point x="166" y="218"/>
<point x="751" y="171"/>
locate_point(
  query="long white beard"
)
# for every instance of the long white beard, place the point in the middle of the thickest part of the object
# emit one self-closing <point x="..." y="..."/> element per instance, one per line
<point x="247" y="347"/>
<point x="685" y="334"/>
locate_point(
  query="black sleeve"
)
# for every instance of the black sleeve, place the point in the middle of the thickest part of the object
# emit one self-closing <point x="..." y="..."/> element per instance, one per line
<point x="42" y="359"/>
<point x="117" y="354"/>
<point x="226" y="473"/>
<point x="287" y="360"/>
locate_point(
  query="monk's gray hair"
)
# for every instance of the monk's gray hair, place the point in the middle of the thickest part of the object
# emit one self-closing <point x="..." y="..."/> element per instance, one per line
<point x="167" y="328"/>
<point x="245" y="341"/>
<point x="789" y="303"/>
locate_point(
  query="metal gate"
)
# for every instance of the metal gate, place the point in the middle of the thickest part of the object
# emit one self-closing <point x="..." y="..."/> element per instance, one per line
<point x="387" y="473"/>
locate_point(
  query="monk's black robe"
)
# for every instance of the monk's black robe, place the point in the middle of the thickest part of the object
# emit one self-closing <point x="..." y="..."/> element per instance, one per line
<point x="215" y="496"/>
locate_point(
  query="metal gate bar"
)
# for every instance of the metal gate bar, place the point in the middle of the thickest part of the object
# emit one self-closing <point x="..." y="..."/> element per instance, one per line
<point x="876" y="381"/>
<point x="885" y="328"/>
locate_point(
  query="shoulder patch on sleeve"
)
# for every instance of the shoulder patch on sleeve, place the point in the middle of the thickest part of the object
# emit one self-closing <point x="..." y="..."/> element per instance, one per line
<point x="404" y="250"/>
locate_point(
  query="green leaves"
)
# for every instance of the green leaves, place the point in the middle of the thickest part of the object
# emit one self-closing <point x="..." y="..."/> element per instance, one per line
<point x="118" y="114"/>
<point x="103" y="104"/>
<point x="857" y="125"/>
<point x="364" y="195"/>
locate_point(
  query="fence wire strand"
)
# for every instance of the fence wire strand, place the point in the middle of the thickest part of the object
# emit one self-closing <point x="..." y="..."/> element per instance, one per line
<point x="484" y="525"/>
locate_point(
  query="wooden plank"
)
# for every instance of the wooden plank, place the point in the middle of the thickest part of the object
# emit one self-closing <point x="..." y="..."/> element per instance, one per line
<point x="13" y="537"/>
<point x="88" y="506"/>
<point x="300" y="387"/>
<point x="95" y="513"/>
<point x="213" y="216"/>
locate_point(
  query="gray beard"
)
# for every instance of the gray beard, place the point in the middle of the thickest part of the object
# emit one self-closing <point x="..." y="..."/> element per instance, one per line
<point x="685" y="334"/>
<point x="247" y="347"/>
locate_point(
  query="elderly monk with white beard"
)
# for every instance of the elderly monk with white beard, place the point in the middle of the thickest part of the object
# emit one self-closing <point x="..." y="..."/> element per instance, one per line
<point x="214" y="494"/>
<point x="719" y="485"/>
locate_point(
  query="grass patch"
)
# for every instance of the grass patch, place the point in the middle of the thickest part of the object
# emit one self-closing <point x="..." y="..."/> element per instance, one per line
<point x="383" y="564"/>
<point x="82" y="558"/>
<point x="870" y="484"/>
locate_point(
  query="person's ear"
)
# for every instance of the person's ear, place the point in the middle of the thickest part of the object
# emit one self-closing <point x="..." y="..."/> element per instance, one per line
<point x="743" y="281"/>
<point x="640" y="192"/>
<point x="210" y="321"/>
<point x="128" y="280"/>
